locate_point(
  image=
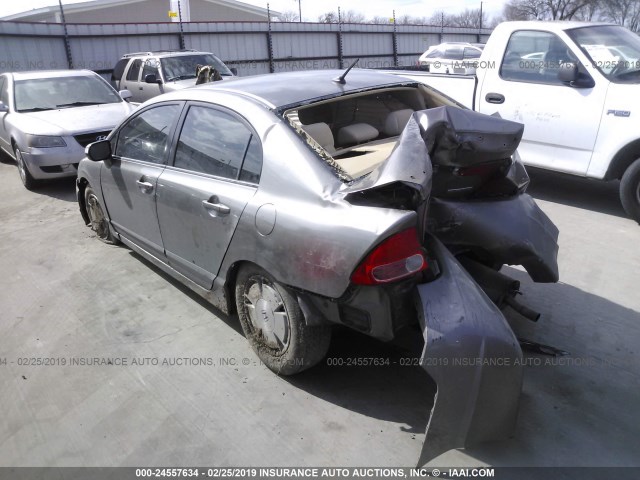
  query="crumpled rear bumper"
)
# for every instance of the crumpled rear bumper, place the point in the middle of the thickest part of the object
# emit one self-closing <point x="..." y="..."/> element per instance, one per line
<point x="473" y="356"/>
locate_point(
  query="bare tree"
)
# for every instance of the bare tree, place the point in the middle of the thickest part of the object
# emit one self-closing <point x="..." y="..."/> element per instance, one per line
<point x="380" y="20"/>
<point x="289" y="16"/>
<point x="622" y="12"/>
<point x="470" y="18"/>
<point x="525" y="10"/>
<point x="351" y="16"/>
<point x="328" y="17"/>
<point x="441" y="19"/>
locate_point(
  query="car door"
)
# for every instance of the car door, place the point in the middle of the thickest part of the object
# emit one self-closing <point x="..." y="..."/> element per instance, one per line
<point x="129" y="180"/>
<point x="149" y="90"/>
<point x="131" y="80"/>
<point x="561" y="122"/>
<point x="216" y="169"/>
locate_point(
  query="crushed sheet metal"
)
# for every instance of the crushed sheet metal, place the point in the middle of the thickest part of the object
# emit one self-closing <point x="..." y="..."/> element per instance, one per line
<point x="473" y="356"/>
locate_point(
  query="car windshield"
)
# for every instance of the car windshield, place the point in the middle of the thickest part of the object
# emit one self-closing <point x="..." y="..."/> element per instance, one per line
<point x="39" y="94"/>
<point x="182" y="67"/>
<point x="613" y="50"/>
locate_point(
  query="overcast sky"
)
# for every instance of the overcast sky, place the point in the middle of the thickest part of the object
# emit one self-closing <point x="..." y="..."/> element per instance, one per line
<point x="311" y="9"/>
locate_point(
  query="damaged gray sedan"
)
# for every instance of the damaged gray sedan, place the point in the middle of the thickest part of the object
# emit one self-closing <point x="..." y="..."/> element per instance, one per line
<point x="306" y="200"/>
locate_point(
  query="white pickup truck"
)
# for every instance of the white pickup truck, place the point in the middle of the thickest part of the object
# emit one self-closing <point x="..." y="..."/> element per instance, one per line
<point x="576" y="88"/>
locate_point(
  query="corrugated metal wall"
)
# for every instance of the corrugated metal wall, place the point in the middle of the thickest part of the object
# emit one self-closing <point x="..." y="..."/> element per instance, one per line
<point x="252" y="47"/>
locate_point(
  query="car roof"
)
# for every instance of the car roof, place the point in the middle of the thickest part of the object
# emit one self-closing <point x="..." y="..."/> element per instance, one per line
<point x="279" y="90"/>
<point x="35" y="74"/>
<point x="165" y="53"/>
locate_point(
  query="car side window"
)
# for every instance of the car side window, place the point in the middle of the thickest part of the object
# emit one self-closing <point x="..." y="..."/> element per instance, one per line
<point x="146" y="136"/>
<point x="134" y="71"/>
<point x="217" y="143"/>
<point x="150" y="68"/>
<point x="4" y="91"/>
<point x="453" y="53"/>
<point x="471" y="53"/>
<point x="118" y="70"/>
<point x="534" y="56"/>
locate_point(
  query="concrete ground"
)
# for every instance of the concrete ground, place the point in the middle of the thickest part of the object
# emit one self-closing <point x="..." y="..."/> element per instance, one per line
<point x="65" y="295"/>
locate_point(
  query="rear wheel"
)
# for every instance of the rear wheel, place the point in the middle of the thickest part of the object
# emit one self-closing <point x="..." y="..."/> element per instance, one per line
<point x="274" y="324"/>
<point x="99" y="222"/>
<point x="630" y="191"/>
<point x="27" y="179"/>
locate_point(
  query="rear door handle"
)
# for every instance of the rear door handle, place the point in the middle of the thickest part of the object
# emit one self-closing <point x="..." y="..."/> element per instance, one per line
<point x="494" y="98"/>
<point x="216" y="209"/>
<point x="144" y="186"/>
<point x="140" y="88"/>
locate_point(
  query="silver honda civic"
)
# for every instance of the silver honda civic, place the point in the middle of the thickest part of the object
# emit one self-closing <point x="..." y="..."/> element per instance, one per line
<point x="311" y="199"/>
<point x="49" y="117"/>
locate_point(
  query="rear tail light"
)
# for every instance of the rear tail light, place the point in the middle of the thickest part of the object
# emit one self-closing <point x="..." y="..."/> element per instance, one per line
<point x="399" y="256"/>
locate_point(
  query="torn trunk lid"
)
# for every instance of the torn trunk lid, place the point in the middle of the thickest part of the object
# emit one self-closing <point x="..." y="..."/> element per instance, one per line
<point x="443" y="137"/>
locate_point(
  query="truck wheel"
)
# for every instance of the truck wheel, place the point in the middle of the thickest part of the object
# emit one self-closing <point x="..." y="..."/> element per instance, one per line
<point x="274" y="324"/>
<point x="630" y="191"/>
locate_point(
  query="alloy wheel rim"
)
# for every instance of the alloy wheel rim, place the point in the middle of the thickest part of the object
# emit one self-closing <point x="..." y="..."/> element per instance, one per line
<point x="96" y="216"/>
<point x="21" y="167"/>
<point x="268" y="315"/>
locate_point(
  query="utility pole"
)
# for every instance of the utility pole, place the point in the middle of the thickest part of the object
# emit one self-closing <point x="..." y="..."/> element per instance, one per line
<point x="481" y="17"/>
<point x="299" y="10"/>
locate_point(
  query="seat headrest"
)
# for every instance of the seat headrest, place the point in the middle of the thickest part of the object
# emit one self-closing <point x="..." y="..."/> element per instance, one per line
<point x="356" y="133"/>
<point x="396" y="121"/>
<point x="321" y="133"/>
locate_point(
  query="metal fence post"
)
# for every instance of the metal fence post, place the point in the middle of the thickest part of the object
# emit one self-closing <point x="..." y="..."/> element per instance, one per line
<point x="340" y="44"/>
<point x="182" y="44"/>
<point x="395" y="41"/>
<point x="67" y="45"/>
<point x="270" y="41"/>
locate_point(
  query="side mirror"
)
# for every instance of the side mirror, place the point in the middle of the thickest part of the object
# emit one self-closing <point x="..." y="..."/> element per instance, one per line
<point x="234" y="70"/>
<point x="4" y="108"/>
<point x="125" y="94"/>
<point x="98" y="151"/>
<point x="570" y="74"/>
<point x="152" y="78"/>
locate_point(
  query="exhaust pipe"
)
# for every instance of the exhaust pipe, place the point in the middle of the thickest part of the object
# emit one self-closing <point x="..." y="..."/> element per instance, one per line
<point x="523" y="310"/>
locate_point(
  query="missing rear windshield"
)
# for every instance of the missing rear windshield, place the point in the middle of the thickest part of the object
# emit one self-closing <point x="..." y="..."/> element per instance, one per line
<point x="354" y="134"/>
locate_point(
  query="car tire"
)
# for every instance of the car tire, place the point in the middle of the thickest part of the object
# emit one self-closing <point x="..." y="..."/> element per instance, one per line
<point x="28" y="181"/>
<point x="98" y="221"/>
<point x="630" y="191"/>
<point x="279" y="334"/>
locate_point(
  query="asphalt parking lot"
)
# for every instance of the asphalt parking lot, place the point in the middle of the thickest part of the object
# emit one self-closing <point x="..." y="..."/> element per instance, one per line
<point x="66" y="297"/>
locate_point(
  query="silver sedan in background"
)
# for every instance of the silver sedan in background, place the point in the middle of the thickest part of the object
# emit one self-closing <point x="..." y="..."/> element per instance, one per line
<point x="47" y="118"/>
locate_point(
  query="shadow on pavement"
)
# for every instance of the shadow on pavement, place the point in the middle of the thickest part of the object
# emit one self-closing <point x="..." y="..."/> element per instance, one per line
<point x="576" y="410"/>
<point x="61" y="188"/>
<point x="594" y="195"/>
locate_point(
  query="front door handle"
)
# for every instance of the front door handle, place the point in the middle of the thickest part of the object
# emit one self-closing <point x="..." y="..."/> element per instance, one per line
<point x="494" y="98"/>
<point x="215" y="208"/>
<point x="144" y="186"/>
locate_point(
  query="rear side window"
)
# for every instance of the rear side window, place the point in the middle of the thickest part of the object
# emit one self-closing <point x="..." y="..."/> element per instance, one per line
<point x="134" y="71"/>
<point x="4" y="94"/>
<point x="453" y="53"/>
<point x="145" y="137"/>
<point x="217" y="143"/>
<point x="118" y="70"/>
<point x="471" y="53"/>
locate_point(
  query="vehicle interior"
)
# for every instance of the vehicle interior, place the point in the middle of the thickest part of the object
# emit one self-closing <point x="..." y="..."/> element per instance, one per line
<point x="360" y="131"/>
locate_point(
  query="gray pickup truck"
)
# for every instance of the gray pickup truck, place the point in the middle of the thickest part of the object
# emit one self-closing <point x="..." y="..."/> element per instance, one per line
<point x="148" y="74"/>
